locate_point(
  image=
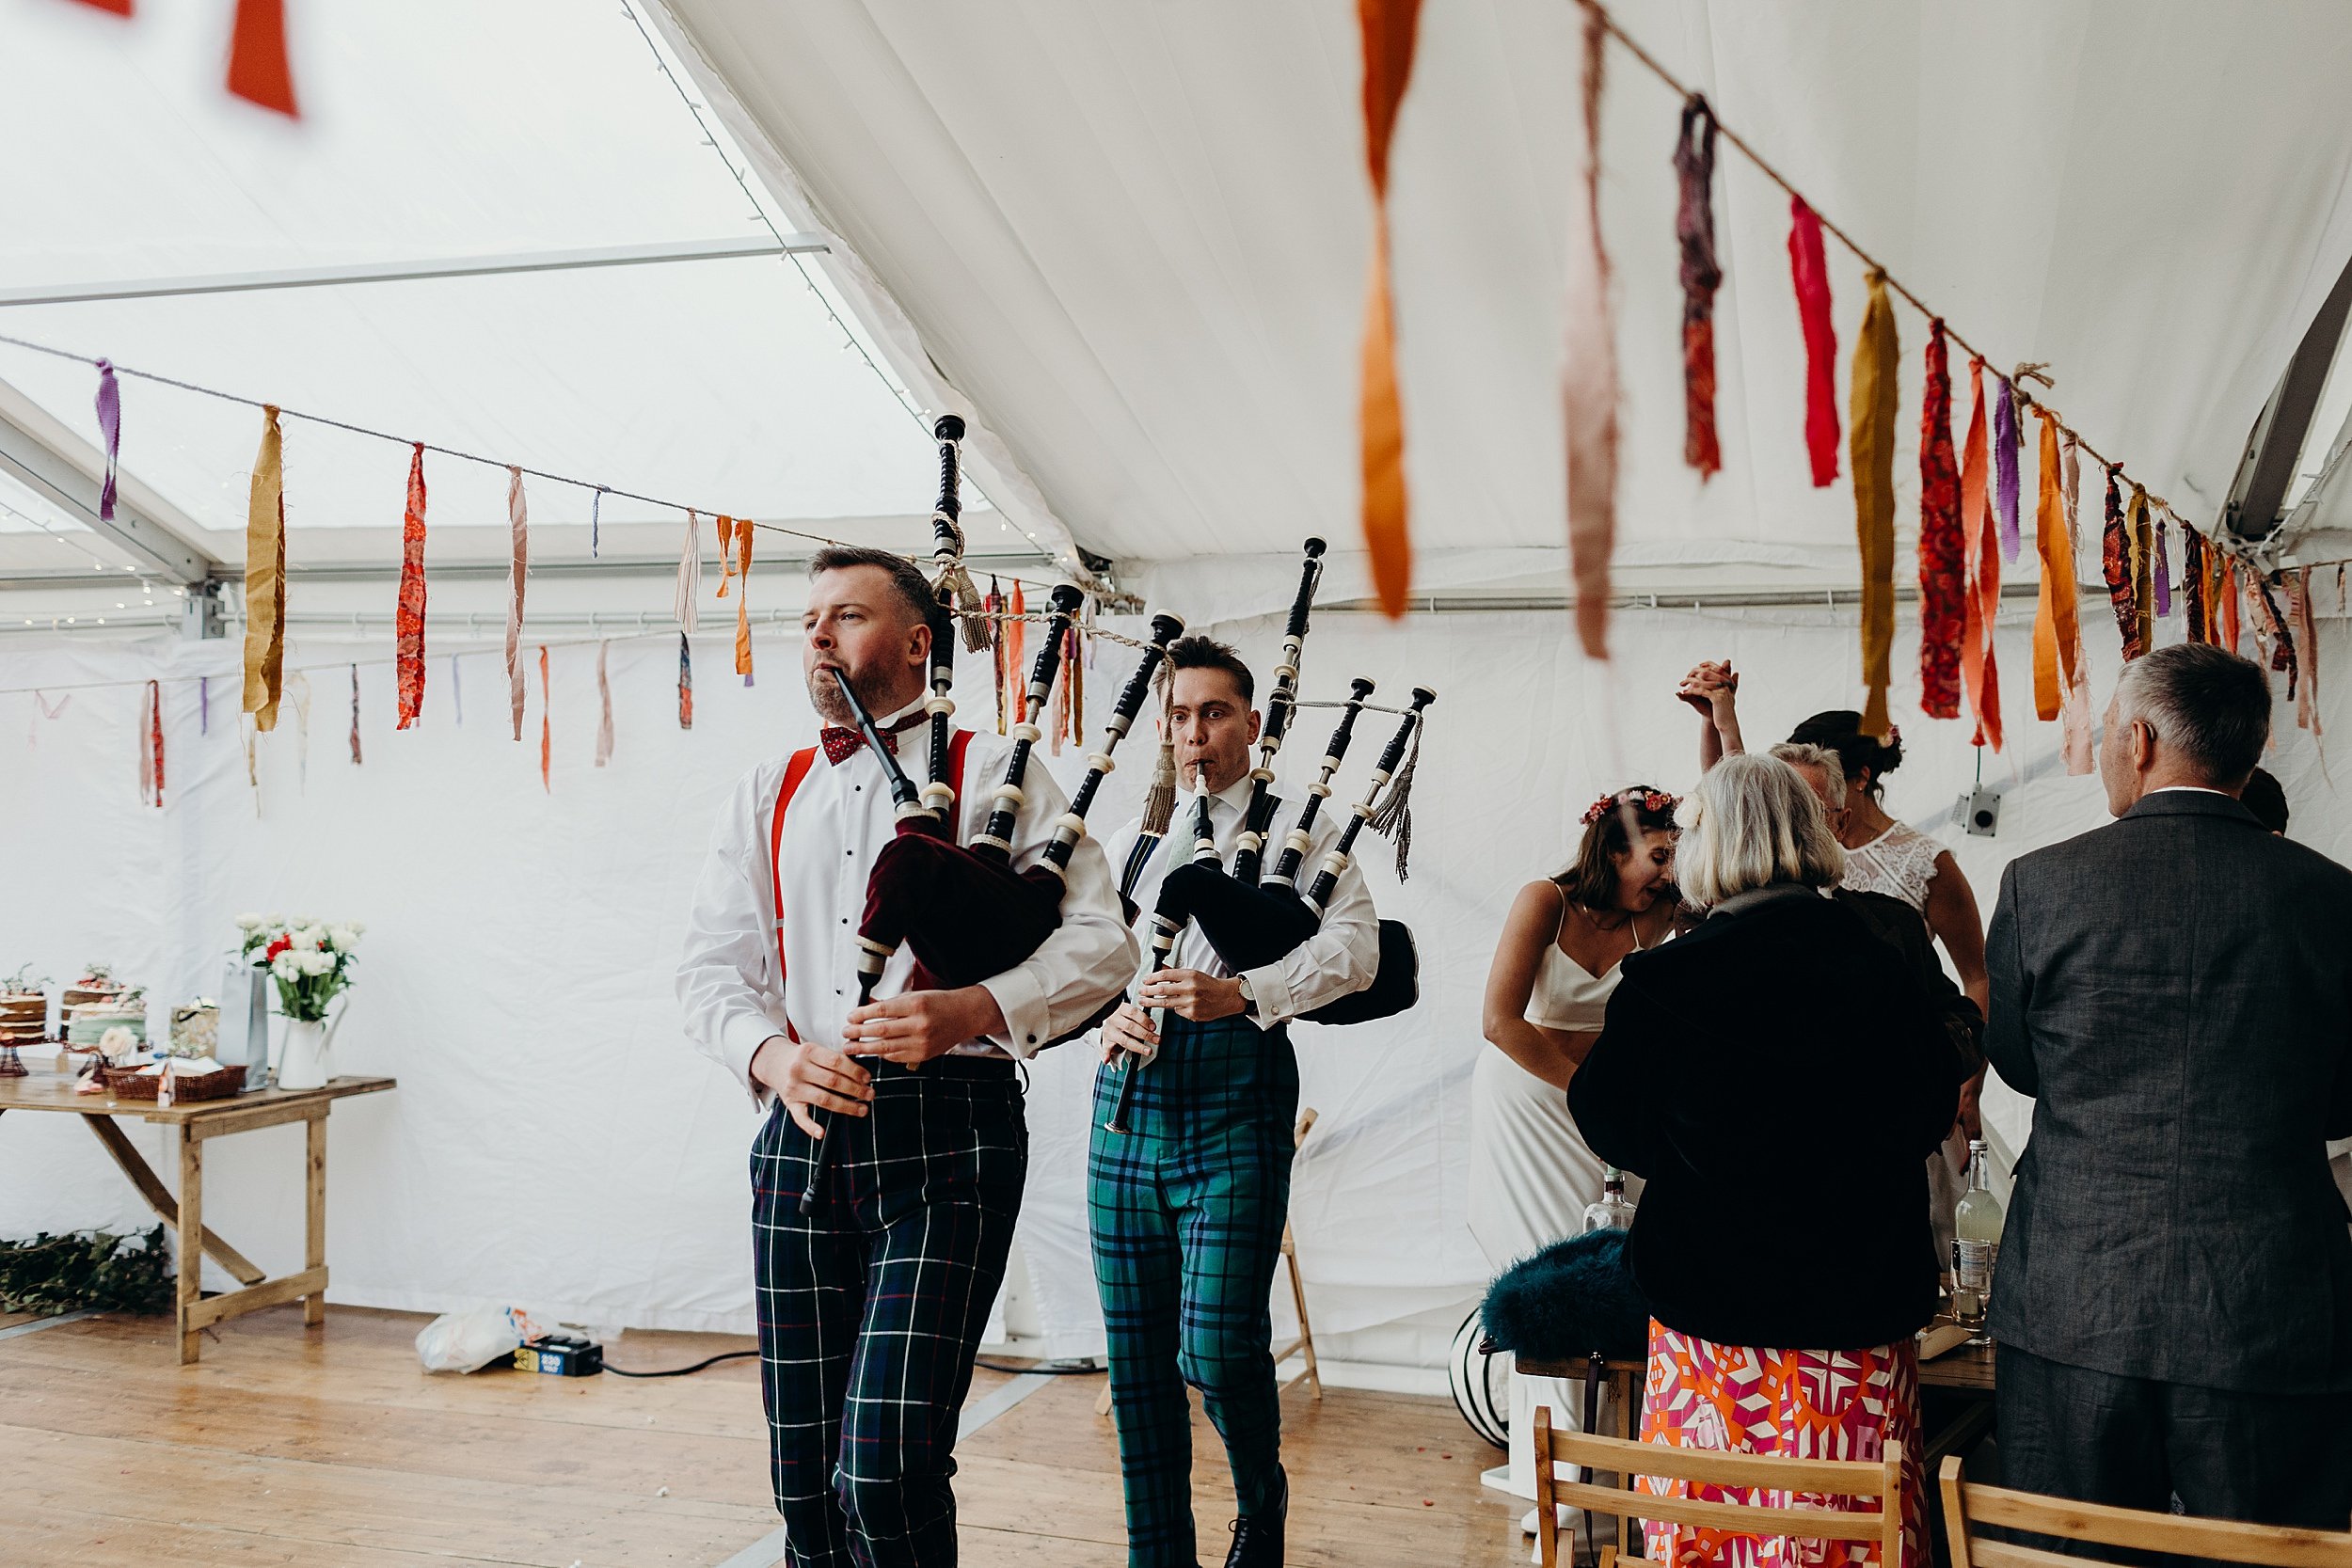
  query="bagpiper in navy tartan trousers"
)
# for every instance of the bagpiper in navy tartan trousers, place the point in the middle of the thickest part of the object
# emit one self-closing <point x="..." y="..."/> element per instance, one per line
<point x="871" y="1308"/>
<point x="1187" y="1210"/>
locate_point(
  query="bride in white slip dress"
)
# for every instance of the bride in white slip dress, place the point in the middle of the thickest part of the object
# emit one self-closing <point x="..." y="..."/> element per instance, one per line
<point x="1547" y="994"/>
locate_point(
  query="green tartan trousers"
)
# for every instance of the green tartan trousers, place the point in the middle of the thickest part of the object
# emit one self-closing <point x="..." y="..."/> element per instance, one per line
<point x="1185" y="1211"/>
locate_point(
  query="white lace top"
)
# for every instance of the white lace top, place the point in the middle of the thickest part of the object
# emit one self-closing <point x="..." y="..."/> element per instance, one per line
<point x="1900" y="863"/>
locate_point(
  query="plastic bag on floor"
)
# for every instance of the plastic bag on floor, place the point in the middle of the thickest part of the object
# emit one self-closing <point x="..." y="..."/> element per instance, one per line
<point x="469" y="1342"/>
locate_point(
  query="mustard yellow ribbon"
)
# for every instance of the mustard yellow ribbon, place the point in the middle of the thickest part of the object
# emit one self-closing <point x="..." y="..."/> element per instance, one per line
<point x="265" y="577"/>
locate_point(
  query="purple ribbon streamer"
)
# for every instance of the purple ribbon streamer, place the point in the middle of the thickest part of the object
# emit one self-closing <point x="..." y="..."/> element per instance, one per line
<point x="110" y="432"/>
<point x="203" y="705"/>
<point x="2005" y="468"/>
<point x="2164" y="569"/>
<point x="595" y="514"/>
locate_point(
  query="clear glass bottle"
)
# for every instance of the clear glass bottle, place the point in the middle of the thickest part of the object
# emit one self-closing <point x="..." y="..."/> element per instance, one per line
<point x="1613" y="1212"/>
<point x="1976" y="1242"/>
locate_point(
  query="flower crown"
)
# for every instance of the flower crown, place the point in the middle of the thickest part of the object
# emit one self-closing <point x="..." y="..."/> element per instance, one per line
<point x="1657" y="803"/>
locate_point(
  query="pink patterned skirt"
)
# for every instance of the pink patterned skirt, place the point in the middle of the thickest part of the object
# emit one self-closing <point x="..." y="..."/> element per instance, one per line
<point x="1794" y="1404"/>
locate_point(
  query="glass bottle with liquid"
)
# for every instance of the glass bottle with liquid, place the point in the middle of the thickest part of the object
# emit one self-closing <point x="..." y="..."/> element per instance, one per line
<point x="1613" y="1212"/>
<point x="1976" y="1242"/>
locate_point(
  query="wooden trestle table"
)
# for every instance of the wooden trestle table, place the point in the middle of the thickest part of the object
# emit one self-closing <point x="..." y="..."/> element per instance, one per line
<point x="198" y="1122"/>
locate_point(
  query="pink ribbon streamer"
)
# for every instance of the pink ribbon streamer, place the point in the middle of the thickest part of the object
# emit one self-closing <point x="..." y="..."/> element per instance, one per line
<point x="519" y="520"/>
<point x="356" y="759"/>
<point x="604" y="702"/>
<point x="110" y="433"/>
<point x="44" y="710"/>
<point x="1589" y="383"/>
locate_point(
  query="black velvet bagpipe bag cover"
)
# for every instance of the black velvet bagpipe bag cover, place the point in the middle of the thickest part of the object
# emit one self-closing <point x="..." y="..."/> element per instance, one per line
<point x="1567" y="1301"/>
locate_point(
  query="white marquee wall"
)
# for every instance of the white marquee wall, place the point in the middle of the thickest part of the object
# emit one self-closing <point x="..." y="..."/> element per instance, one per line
<point x="554" y="1141"/>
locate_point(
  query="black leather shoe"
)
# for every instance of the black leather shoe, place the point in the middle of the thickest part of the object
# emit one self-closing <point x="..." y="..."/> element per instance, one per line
<point x="1258" y="1537"/>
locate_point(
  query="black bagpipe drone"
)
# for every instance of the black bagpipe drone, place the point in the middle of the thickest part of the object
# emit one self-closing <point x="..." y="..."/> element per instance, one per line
<point x="962" y="909"/>
<point x="1251" y="921"/>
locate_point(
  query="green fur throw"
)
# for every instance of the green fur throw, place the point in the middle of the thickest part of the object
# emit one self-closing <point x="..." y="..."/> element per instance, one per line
<point x="1570" y="1300"/>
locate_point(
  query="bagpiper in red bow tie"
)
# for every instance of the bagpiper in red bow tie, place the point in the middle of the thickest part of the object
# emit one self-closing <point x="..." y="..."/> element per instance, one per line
<point x="840" y="744"/>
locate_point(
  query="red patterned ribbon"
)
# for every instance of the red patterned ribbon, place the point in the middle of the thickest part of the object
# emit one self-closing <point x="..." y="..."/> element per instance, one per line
<point x="1942" y="564"/>
<point x="2231" y="595"/>
<point x="2115" y="563"/>
<point x="1980" y="553"/>
<point x="408" y="628"/>
<point x="2193" y="586"/>
<point x="2281" y="640"/>
<point x="150" y="745"/>
<point x="1702" y="275"/>
<point x="356" y="760"/>
<point x="1809" y="268"/>
<point x="2139" y="525"/>
<point x="685" y="683"/>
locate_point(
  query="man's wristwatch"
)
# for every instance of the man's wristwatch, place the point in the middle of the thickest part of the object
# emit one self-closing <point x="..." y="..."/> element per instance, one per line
<point x="1249" y="998"/>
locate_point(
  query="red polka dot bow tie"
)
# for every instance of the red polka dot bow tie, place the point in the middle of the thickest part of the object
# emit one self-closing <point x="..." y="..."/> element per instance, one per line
<point x="840" y="744"/>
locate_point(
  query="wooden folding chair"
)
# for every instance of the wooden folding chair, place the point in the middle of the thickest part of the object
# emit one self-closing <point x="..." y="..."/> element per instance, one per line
<point x="1969" y="1507"/>
<point x="1304" y="1343"/>
<point x="1838" y="1478"/>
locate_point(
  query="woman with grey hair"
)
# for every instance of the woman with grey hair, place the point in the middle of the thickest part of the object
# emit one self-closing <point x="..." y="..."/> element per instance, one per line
<point x="1779" y="1078"/>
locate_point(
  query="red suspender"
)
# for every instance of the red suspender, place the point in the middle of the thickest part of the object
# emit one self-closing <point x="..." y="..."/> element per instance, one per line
<point x="794" y="772"/>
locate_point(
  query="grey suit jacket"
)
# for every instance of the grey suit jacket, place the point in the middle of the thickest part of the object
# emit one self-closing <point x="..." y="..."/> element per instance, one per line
<point x="2174" y="991"/>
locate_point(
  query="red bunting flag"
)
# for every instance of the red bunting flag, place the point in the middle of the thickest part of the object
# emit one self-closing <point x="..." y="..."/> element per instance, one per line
<point x="1809" y="267"/>
<point x="1943" y="563"/>
<point x="408" y="628"/>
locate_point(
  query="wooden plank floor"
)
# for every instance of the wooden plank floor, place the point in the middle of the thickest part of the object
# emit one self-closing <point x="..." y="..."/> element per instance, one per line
<point x="331" y="1448"/>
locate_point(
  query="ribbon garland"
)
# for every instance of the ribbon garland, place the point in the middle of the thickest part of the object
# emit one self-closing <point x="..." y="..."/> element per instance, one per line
<point x="1388" y="28"/>
<point x="265" y="577"/>
<point x="110" y="433"/>
<point x="1978" y="667"/>
<point x="258" y="72"/>
<point x="356" y="759"/>
<point x="1872" y="435"/>
<point x="686" y="605"/>
<point x="1943" y="566"/>
<point x="2115" y="564"/>
<point x="151" y="746"/>
<point x="546" y="731"/>
<point x="518" y="570"/>
<point x="685" y="683"/>
<point x="408" y="621"/>
<point x="1809" y="270"/>
<point x="1589" y="381"/>
<point x="1702" y="275"/>
<point x="2006" y="439"/>
<point x="604" y="703"/>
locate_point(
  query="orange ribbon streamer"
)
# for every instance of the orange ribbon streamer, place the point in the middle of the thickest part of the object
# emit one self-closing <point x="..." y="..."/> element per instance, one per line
<point x="265" y="577"/>
<point x="735" y="560"/>
<point x="1388" y="28"/>
<point x="1870" y="436"/>
<point x="546" y="731"/>
<point x="2056" y="631"/>
<point x="1589" y="383"/>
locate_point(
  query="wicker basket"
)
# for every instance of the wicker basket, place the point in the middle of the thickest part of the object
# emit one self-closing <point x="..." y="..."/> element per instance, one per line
<point x="130" y="1083"/>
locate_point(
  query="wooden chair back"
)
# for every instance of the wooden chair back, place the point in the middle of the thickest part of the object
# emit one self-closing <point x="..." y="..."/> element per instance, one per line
<point x="1880" y="1480"/>
<point x="1969" y="1506"/>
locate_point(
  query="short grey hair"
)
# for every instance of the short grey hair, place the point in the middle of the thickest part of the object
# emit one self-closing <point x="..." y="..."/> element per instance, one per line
<point x="1750" y="822"/>
<point x="2206" y="704"/>
<point x="1797" y="754"/>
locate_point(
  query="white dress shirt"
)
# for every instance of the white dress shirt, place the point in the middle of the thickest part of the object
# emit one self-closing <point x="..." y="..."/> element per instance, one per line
<point x="1340" y="958"/>
<point x="837" y="821"/>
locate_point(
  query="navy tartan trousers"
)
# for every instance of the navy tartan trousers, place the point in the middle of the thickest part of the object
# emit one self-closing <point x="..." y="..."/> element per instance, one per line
<point x="872" y="1307"/>
<point x="1186" y="1212"/>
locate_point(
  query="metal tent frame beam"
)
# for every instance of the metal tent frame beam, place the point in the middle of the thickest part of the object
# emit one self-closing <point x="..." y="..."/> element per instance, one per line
<point x="2258" y="492"/>
<point x="410" y="272"/>
<point x="40" y="452"/>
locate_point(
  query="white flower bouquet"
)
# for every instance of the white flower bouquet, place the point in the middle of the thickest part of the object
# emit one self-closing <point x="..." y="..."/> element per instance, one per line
<point x="311" y="961"/>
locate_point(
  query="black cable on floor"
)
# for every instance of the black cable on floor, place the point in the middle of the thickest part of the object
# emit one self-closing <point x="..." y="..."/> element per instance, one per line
<point x="681" y="1372"/>
<point x="1043" y="1369"/>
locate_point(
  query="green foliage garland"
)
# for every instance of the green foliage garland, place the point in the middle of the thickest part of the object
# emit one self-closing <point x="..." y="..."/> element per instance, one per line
<point x="104" y="1270"/>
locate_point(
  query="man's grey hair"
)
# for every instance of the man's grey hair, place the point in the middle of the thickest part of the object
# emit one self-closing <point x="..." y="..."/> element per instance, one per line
<point x="1752" y="821"/>
<point x="1797" y="754"/>
<point x="2208" y="707"/>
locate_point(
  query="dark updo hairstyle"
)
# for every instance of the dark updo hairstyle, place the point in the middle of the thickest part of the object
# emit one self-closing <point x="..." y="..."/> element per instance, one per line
<point x="1840" y="731"/>
<point x="1591" y="879"/>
